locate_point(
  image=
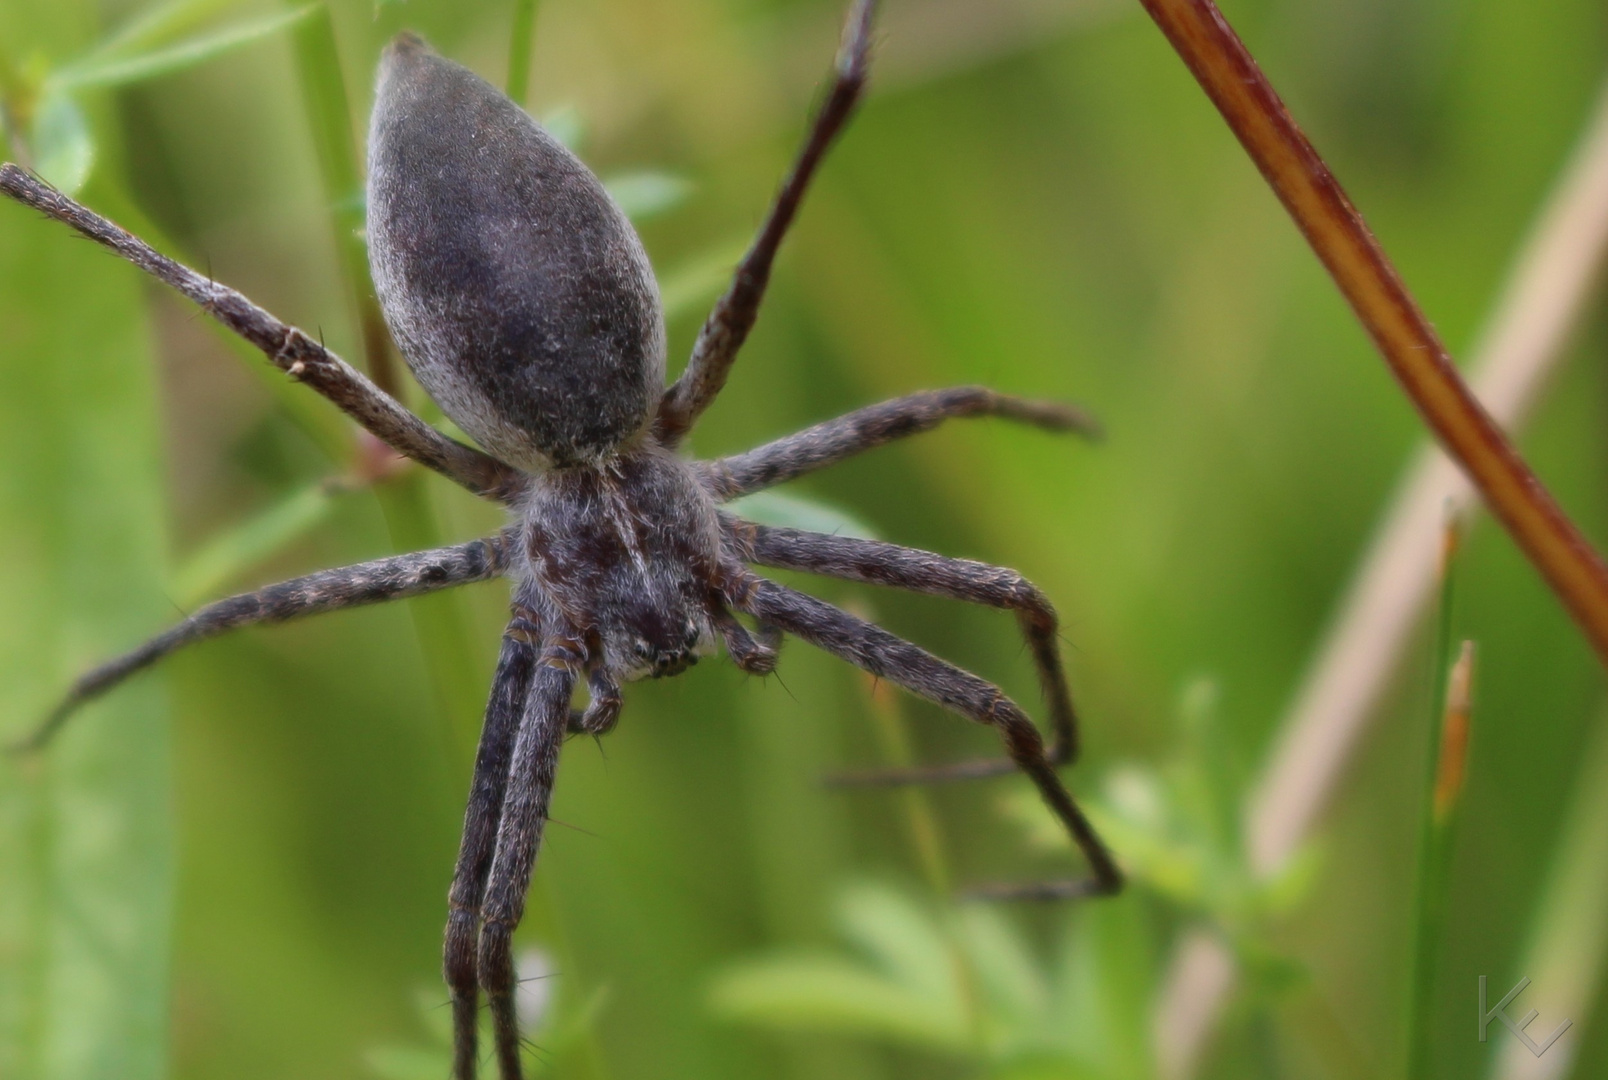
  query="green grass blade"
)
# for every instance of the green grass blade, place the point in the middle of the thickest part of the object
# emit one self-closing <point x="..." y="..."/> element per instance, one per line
<point x="796" y="512"/>
<point x="520" y="41"/>
<point x="85" y="833"/>
<point x="106" y="71"/>
<point x="229" y="555"/>
<point x="1448" y="744"/>
<point x="696" y="283"/>
<point x="159" y="26"/>
<point x="408" y="513"/>
<point x="647" y="194"/>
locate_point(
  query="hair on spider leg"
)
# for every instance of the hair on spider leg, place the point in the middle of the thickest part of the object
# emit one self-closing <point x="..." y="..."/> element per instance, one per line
<point x="572" y="827"/>
<point x="523" y="302"/>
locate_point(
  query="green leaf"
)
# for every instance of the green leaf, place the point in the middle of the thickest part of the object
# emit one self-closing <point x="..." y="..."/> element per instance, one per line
<point x="86" y="852"/>
<point x="795" y="512"/>
<point x="902" y="939"/>
<point x="159" y="26"/>
<point x="824" y="993"/>
<point x="64" y="151"/>
<point x="1009" y="979"/>
<point x="116" y="70"/>
<point x="237" y="550"/>
<point x="696" y="283"/>
<point x="1040" y="1066"/>
<point x="521" y="40"/>
<point x="565" y="124"/>
<point x="646" y="195"/>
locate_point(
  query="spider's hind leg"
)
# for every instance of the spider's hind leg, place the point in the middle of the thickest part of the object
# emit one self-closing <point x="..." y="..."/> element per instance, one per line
<point x="291" y="350"/>
<point x="843" y="437"/>
<point x="876" y="563"/>
<point x="880" y="653"/>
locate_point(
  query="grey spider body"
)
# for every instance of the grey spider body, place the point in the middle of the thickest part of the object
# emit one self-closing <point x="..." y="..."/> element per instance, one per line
<point x="524" y="304"/>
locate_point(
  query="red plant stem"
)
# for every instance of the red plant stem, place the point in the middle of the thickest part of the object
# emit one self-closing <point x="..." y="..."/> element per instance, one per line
<point x="1420" y="362"/>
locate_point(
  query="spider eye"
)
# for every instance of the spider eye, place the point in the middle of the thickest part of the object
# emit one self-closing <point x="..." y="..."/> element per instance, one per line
<point x="642" y="648"/>
<point x="692" y="634"/>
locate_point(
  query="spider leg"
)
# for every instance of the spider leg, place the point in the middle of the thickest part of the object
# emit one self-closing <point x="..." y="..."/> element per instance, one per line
<point x="728" y="324"/>
<point x="393" y="578"/>
<point x="603" y="710"/>
<point x="519" y="836"/>
<point x="751" y="655"/>
<point x="878" y="563"/>
<point x="504" y="710"/>
<point x="286" y="347"/>
<point x="864" y="429"/>
<point x="888" y="657"/>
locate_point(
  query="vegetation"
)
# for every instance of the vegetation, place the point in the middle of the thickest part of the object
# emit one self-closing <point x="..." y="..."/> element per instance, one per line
<point x="237" y="866"/>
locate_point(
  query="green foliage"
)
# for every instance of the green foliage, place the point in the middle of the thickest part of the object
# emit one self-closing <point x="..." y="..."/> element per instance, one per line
<point x="1047" y="207"/>
<point x="86" y="846"/>
<point x="553" y="1031"/>
<point x="959" y="982"/>
<point x="121" y="61"/>
<point x="793" y="512"/>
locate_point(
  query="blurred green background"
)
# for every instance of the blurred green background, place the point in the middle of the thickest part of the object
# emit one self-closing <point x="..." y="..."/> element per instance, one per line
<point x="237" y="866"/>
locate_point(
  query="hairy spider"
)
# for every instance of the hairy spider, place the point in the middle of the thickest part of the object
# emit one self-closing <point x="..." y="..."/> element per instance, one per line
<point x="523" y="302"/>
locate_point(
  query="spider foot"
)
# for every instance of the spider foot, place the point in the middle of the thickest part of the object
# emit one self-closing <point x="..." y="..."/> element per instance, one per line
<point x="1070" y="889"/>
<point x="980" y="769"/>
<point x="496" y="970"/>
<point x="756" y="656"/>
<point x="601" y="714"/>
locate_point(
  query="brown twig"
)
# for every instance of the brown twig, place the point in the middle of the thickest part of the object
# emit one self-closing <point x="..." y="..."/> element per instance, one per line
<point x="1359" y="266"/>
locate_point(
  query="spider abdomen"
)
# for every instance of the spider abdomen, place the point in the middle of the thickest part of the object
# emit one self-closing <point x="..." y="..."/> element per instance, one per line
<point x="518" y="291"/>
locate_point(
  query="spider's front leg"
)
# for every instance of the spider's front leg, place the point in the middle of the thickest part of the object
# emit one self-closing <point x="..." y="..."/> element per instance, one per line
<point x="287" y="348"/>
<point x="882" y="654"/>
<point x="543" y="722"/>
<point x="527" y="716"/>
<point x="505" y="709"/>
<point x="727" y="327"/>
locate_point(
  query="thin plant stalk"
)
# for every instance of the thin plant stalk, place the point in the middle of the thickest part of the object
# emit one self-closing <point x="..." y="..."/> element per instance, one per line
<point x="438" y="619"/>
<point x="926" y="835"/>
<point x="520" y="42"/>
<point x="1426" y="901"/>
<point x="1450" y="710"/>
<point x="1403" y="335"/>
<point x="326" y="429"/>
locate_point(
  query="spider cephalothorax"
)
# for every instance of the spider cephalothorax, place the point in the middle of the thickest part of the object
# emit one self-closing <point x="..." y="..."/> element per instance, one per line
<point x="523" y="302"/>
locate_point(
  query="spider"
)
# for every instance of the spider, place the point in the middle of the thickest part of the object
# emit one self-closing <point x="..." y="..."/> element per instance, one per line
<point x="524" y="304"/>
